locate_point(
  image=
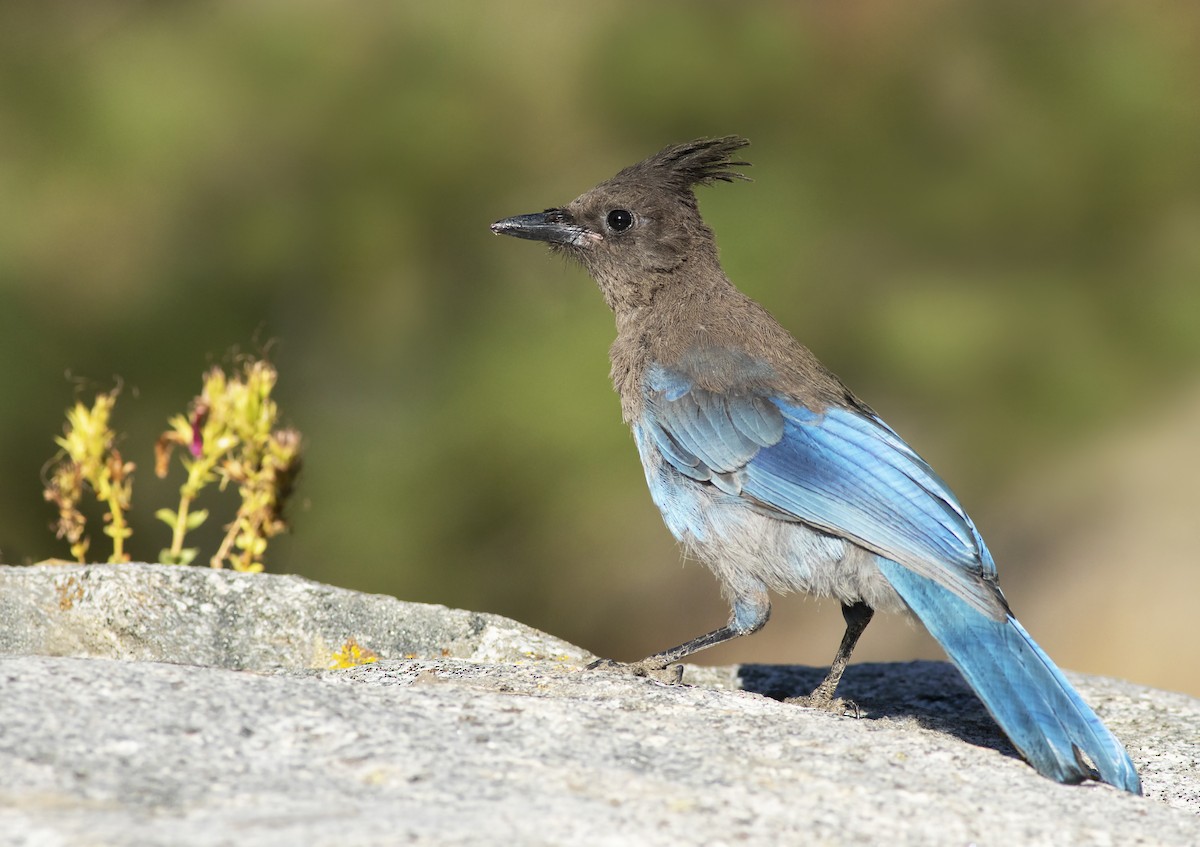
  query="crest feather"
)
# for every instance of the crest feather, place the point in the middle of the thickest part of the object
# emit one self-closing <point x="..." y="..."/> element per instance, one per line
<point x="699" y="162"/>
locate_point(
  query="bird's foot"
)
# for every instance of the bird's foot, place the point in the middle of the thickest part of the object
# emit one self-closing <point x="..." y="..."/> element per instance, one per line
<point x="668" y="674"/>
<point x="826" y="703"/>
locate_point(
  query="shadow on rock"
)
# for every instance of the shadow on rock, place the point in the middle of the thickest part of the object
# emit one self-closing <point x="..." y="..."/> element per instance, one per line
<point x="931" y="693"/>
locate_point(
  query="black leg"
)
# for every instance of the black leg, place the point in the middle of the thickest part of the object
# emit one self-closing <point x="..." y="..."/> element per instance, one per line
<point x="748" y="617"/>
<point x="857" y="617"/>
<point x="701" y="642"/>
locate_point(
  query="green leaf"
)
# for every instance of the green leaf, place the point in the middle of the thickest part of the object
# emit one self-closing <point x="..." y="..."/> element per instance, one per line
<point x="168" y="517"/>
<point x="184" y="557"/>
<point x="196" y="518"/>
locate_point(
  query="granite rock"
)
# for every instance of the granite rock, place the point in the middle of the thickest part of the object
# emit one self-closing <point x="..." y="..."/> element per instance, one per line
<point x="162" y="705"/>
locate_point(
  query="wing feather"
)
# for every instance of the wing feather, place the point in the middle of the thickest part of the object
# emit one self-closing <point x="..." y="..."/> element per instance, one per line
<point x="841" y="470"/>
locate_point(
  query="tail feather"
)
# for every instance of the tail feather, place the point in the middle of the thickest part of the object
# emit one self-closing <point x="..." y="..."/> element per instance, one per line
<point x="1031" y="700"/>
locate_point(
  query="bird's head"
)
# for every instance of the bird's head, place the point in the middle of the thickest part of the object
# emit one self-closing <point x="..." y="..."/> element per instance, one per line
<point x="636" y="232"/>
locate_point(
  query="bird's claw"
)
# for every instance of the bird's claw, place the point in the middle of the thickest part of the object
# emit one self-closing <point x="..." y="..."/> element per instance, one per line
<point x="668" y="674"/>
<point x="837" y="705"/>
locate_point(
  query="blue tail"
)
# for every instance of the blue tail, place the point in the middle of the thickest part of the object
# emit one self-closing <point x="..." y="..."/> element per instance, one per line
<point x="1039" y="711"/>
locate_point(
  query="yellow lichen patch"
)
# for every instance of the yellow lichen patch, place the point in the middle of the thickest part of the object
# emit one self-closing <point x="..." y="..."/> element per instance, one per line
<point x="352" y="654"/>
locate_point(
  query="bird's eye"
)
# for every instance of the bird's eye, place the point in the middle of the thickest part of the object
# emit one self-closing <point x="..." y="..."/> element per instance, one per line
<point x="619" y="220"/>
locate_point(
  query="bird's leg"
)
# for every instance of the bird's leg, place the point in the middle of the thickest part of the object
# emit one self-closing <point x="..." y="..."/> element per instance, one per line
<point x="857" y="617"/>
<point x="749" y="615"/>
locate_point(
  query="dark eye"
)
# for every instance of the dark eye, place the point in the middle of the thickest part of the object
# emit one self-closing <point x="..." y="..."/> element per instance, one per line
<point x="619" y="220"/>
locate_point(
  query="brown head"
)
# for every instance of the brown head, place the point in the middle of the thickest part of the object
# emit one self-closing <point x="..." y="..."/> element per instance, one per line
<point x="638" y="231"/>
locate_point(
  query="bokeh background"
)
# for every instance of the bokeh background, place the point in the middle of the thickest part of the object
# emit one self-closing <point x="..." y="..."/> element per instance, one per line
<point x="984" y="217"/>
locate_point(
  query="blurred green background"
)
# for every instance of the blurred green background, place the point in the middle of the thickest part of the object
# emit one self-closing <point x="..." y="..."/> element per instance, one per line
<point x="984" y="217"/>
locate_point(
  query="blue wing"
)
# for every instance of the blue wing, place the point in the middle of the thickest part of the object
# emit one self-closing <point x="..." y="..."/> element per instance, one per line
<point x="841" y="470"/>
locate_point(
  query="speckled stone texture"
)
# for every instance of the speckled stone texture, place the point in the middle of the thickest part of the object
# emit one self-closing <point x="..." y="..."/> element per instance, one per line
<point x="163" y="705"/>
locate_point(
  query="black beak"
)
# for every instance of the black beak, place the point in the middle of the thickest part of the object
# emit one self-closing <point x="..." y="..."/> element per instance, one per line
<point x="555" y="226"/>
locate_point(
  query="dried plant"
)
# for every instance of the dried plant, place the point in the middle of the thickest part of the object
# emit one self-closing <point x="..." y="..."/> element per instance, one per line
<point x="88" y="459"/>
<point x="231" y="435"/>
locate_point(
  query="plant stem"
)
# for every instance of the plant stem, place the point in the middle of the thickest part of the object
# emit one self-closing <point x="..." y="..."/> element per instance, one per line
<point x="185" y="501"/>
<point x="118" y="528"/>
<point x="218" y="560"/>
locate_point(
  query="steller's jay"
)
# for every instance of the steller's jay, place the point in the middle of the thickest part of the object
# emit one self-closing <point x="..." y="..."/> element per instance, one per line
<point x="770" y="471"/>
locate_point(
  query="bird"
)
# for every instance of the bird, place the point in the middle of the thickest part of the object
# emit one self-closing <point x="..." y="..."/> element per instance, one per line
<point x="771" y="472"/>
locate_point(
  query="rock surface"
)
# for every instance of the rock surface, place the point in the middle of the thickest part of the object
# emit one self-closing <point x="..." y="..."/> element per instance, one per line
<point x="149" y="704"/>
<point x="239" y="621"/>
